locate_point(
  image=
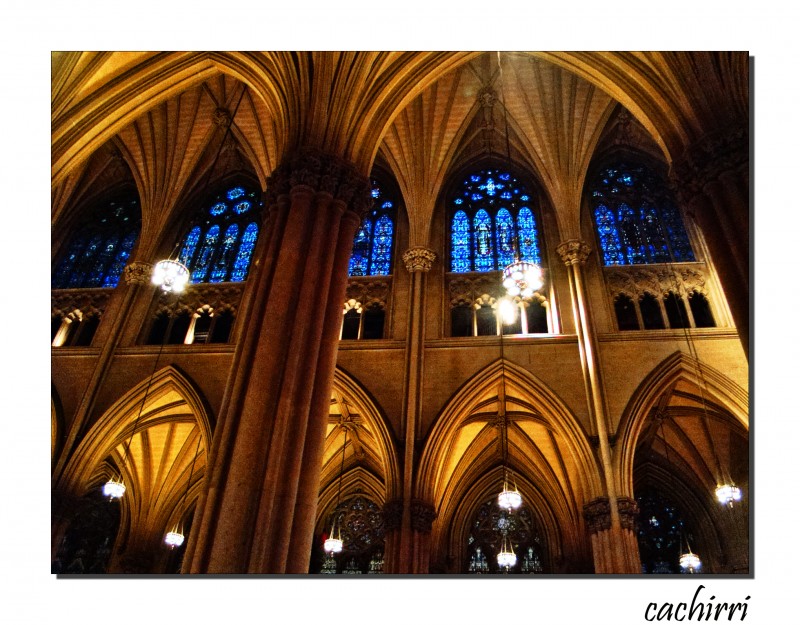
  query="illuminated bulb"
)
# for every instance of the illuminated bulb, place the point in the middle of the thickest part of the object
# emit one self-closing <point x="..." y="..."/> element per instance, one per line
<point x="509" y="499"/>
<point x="508" y="311"/>
<point x="728" y="493"/>
<point x="174" y="539"/>
<point x="170" y="275"/>
<point x="506" y="557"/>
<point x="113" y="489"/>
<point x="690" y="562"/>
<point x="522" y="277"/>
<point x="333" y="545"/>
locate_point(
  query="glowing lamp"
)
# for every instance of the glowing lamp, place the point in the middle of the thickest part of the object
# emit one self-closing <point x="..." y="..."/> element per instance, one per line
<point x="728" y="493"/>
<point x="113" y="489"/>
<point x="170" y="275"/>
<point x="690" y="562"/>
<point x="174" y="539"/>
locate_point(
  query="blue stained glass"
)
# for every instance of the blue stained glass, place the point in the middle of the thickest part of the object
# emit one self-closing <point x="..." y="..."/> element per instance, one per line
<point x="458" y="200"/>
<point x="220" y="269"/>
<point x="528" y="236"/>
<point x="79" y="276"/>
<point x="524" y="198"/>
<point x="65" y="269"/>
<point x="242" y="207"/>
<point x="376" y="192"/>
<point x="504" y="176"/>
<point x="504" y="230"/>
<point x="459" y="243"/>
<point x="655" y="243"/>
<point x="476" y="197"/>
<point x="475" y="178"/>
<point x="201" y="262"/>
<point x="235" y="192"/>
<point x="505" y="195"/>
<point x="482" y="241"/>
<point x="105" y="255"/>
<point x="218" y="208"/>
<point x="124" y="253"/>
<point x="382" y="247"/>
<point x="678" y="239"/>
<point x="609" y="237"/>
<point x="387" y="205"/>
<point x="189" y="245"/>
<point x="630" y="236"/>
<point x="359" y="259"/>
<point x="490" y="188"/>
<point x="242" y="263"/>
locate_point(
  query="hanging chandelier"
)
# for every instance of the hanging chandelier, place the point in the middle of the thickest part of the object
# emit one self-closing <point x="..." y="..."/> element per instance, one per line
<point x="690" y="562"/>
<point x="521" y="277"/>
<point x="509" y="499"/>
<point x="334" y="543"/>
<point x="170" y="275"/>
<point x="174" y="539"/>
<point x="727" y="494"/>
<point x="113" y="489"/>
<point x="506" y="558"/>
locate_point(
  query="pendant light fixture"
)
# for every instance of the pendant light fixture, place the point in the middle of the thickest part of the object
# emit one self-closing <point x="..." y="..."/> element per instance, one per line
<point x="115" y="488"/>
<point x="506" y="558"/>
<point x="689" y="561"/>
<point x="334" y="544"/>
<point x="175" y="537"/>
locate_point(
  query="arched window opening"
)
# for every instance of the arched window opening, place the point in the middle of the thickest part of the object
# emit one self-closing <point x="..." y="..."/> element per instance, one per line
<point x="636" y="218"/>
<point x="662" y="533"/>
<point x="701" y="310"/>
<point x="205" y="325"/>
<point x="362" y="323"/>
<point x="626" y="313"/>
<point x="651" y="312"/>
<point x="485" y="320"/>
<point x="362" y="531"/>
<point x="179" y="326"/>
<point x="676" y="311"/>
<point x="374" y="241"/>
<point x="485" y="539"/>
<point x="99" y="250"/>
<point x="219" y="245"/>
<point x="491" y="214"/>
<point x="461" y="320"/>
<point x="74" y="330"/>
<point x="485" y="316"/>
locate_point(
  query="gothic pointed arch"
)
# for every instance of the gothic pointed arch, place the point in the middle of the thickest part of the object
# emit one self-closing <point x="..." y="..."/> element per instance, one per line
<point x="548" y="450"/>
<point x="679" y="379"/>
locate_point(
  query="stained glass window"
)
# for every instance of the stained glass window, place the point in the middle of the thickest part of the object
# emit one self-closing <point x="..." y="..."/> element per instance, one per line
<point x="662" y="533"/>
<point x="220" y="243"/>
<point x="636" y="218"/>
<point x="492" y="218"/>
<point x="98" y="252"/>
<point x="373" y="243"/>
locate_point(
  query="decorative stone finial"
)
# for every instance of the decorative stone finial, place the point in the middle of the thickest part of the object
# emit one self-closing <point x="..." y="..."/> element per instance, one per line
<point x="573" y="252"/>
<point x="419" y="259"/>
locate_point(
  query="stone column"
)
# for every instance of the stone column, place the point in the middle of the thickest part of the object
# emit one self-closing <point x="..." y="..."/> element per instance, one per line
<point x="258" y="510"/>
<point x="418" y="262"/>
<point x="712" y="182"/>
<point x="392" y="520"/>
<point x="611" y="551"/>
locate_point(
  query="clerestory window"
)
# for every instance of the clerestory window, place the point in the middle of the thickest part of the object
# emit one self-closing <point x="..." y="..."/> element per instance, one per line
<point x="373" y="245"/>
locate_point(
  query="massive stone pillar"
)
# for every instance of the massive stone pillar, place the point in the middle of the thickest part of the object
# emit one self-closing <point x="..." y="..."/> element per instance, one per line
<point x="258" y="511"/>
<point x="615" y="550"/>
<point x="418" y="262"/>
<point x="712" y="182"/>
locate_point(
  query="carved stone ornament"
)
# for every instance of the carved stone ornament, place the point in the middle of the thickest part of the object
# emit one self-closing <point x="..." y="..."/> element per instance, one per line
<point x="419" y="259"/>
<point x="635" y="282"/>
<point x="574" y="252"/>
<point x="598" y="515"/>
<point x="222" y="118"/>
<point x="628" y="512"/>
<point x="323" y="173"/>
<point x="393" y="514"/>
<point x="466" y="291"/>
<point x="216" y="297"/>
<point x="423" y="515"/>
<point x="90" y="302"/>
<point x="138" y="273"/>
<point x="368" y="292"/>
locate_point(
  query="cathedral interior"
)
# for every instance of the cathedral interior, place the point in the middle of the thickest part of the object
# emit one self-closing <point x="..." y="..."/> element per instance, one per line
<point x="416" y="280"/>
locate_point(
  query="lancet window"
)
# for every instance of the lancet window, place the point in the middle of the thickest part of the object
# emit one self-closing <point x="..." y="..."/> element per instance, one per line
<point x="374" y="241"/>
<point x="99" y="250"/>
<point x="492" y="217"/>
<point x="219" y="245"/>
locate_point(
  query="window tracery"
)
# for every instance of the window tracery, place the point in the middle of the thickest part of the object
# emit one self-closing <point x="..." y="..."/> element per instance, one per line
<point x="362" y="530"/>
<point x="219" y="245"/>
<point x="99" y="250"/>
<point x="491" y="213"/>
<point x="374" y="240"/>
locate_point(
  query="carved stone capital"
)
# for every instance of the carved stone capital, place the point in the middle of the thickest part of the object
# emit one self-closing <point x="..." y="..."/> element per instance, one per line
<point x="419" y="259"/>
<point x="322" y="173"/>
<point x="574" y="252"/>
<point x="393" y="514"/>
<point x="628" y="512"/>
<point x="138" y="272"/>
<point x="598" y="515"/>
<point x="423" y="515"/>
